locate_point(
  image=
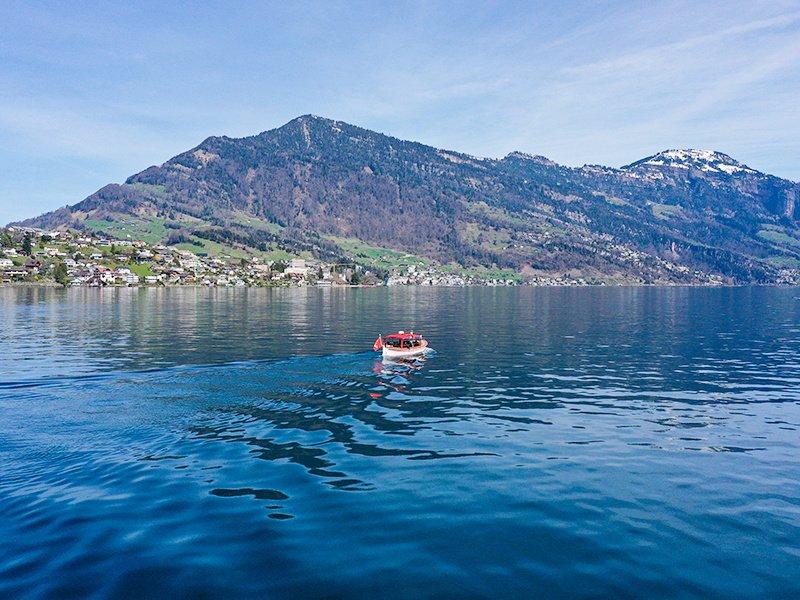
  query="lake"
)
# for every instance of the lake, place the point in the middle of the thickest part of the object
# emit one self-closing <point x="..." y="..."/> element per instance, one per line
<point x="247" y="442"/>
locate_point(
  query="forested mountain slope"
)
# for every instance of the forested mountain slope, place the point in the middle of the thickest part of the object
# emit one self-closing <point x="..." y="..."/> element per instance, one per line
<point x="678" y="216"/>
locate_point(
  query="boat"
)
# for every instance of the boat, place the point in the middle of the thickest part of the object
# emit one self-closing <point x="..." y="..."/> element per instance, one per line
<point x="401" y="345"/>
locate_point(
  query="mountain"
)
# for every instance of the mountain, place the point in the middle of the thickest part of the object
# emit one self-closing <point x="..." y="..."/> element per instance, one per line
<point x="336" y="190"/>
<point x="699" y="160"/>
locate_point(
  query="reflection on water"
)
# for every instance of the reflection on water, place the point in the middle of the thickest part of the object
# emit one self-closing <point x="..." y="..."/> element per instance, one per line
<point x="559" y="441"/>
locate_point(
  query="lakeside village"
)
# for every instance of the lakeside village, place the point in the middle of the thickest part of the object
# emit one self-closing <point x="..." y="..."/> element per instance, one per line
<point x="81" y="258"/>
<point x="72" y="258"/>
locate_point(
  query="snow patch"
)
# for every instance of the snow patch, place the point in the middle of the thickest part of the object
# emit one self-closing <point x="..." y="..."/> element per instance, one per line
<point x="707" y="161"/>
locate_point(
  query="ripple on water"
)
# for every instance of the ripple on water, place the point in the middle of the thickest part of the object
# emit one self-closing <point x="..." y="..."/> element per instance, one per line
<point x="612" y="440"/>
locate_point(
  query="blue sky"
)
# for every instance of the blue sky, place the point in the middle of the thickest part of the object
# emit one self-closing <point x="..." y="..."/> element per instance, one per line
<point x="91" y="93"/>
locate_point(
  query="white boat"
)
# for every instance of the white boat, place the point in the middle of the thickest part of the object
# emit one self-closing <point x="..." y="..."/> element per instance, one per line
<point x="401" y="345"/>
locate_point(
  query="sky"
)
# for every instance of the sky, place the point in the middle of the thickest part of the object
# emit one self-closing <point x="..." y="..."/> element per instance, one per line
<point x="91" y="93"/>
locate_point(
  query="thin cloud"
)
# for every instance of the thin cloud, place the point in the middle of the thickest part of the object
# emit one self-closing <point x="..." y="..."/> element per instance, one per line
<point x="654" y="56"/>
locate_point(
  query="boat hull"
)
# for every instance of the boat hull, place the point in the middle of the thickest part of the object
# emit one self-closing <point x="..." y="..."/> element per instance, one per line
<point x="405" y="352"/>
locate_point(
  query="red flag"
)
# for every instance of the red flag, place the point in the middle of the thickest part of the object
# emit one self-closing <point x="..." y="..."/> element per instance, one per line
<point x="378" y="344"/>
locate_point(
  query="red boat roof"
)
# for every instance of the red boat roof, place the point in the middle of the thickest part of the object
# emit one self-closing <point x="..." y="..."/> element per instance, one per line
<point x="402" y="335"/>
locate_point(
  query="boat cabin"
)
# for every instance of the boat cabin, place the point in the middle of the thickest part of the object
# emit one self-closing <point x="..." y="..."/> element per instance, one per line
<point x="403" y="340"/>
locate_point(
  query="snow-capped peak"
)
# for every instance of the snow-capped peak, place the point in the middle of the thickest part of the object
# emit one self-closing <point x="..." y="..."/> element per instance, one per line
<point x="703" y="160"/>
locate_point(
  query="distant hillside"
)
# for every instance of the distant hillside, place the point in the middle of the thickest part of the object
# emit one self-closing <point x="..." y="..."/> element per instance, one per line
<point x="331" y="189"/>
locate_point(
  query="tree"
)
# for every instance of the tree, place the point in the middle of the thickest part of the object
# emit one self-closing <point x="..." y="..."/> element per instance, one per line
<point x="5" y="240"/>
<point x="60" y="274"/>
<point x="27" y="245"/>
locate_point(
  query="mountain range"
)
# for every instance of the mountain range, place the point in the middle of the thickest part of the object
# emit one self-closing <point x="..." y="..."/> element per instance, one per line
<point x="321" y="187"/>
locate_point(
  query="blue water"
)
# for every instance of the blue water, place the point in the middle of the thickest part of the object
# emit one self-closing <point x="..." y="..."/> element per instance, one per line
<point x="247" y="443"/>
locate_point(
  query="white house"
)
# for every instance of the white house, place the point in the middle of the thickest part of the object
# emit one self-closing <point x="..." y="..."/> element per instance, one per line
<point x="297" y="268"/>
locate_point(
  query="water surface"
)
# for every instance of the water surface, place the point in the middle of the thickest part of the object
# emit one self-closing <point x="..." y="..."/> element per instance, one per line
<point x="571" y="442"/>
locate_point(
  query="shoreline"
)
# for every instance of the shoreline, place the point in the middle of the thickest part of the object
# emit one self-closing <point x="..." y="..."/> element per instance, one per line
<point x="54" y="285"/>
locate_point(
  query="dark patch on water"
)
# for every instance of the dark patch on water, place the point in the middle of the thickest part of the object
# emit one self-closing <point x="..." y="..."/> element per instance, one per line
<point x="258" y="494"/>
